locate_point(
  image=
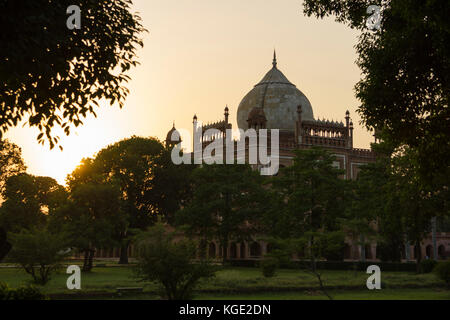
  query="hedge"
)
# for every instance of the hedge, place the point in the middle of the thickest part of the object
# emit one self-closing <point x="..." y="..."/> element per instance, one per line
<point x="333" y="265"/>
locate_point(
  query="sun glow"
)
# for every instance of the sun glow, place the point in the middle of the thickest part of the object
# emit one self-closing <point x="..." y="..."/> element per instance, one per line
<point x="84" y="141"/>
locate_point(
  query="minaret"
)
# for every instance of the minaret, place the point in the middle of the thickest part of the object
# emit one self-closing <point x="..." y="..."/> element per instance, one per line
<point x="226" y="114"/>
<point x="194" y="122"/>
<point x="347" y="125"/>
<point x="351" y="135"/>
<point x="274" y="62"/>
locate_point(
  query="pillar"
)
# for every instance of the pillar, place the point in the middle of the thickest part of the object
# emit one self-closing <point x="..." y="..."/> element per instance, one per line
<point x="433" y="237"/>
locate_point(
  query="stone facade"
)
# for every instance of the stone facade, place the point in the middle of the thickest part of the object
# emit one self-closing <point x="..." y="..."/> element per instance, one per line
<point x="276" y="103"/>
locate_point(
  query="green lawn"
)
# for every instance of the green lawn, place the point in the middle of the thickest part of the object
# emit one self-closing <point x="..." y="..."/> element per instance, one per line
<point x="384" y="294"/>
<point x="247" y="283"/>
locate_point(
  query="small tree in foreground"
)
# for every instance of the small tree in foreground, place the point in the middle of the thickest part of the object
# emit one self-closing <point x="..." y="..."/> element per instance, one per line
<point x="442" y="271"/>
<point x="312" y="247"/>
<point x="39" y="252"/>
<point x="170" y="263"/>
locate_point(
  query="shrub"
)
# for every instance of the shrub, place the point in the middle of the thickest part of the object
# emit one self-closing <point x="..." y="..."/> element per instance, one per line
<point x="442" y="270"/>
<point x="170" y="263"/>
<point x="5" y="246"/>
<point x="269" y="266"/>
<point x="39" y="252"/>
<point x="22" y="293"/>
<point x="426" y="266"/>
<point x="334" y="265"/>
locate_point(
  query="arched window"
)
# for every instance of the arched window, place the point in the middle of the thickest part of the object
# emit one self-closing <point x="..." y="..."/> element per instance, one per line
<point x="416" y="252"/>
<point x="347" y="251"/>
<point x="255" y="249"/>
<point x="212" y="250"/>
<point x="368" y="251"/>
<point x="429" y="251"/>
<point x="441" y="252"/>
<point x="403" y="251"/>
<point x="242" y="252"/>
<point x="233" y="251"/>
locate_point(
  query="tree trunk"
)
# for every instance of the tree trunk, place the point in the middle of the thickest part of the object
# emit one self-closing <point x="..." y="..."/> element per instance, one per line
<point x="124" y="253"/>
<point x="202" y="246"/>
<point x="85" y="261"/>
<point x="312" y="255"/>
<point x="322" y="287"/>
<point x="418" y="253"/>
<point x="88" y="259"/>
<point x="363" y="248"/>
<point x="91" y="259"/>
<point x="224" y="251"/>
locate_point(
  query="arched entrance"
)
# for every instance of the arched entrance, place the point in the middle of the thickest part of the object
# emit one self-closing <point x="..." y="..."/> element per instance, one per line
<point x="368" y="251"/>
<point x="347" y="251"/>
<point x="441" y="252"/>
<point x="212" y="250"/>
<point x="255" y="249"/>
<point x="429" y="251"/>
<point x="241" y="247"/>
<point x="233" y="251"/>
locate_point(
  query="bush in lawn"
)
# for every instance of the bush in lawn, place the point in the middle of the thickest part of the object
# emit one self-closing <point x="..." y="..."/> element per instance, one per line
<point x="21" y="293"/>
<point x="170" y="262"/>
<point x="426" y="266"/>
<point x="39" y="252"/>
<point x="442" y="270"/>
<point x="269" y="266"/>
<point x="5" y="246"/>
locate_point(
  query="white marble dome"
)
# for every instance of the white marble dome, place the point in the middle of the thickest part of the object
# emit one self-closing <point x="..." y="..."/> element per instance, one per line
<point x="279" y="98"/>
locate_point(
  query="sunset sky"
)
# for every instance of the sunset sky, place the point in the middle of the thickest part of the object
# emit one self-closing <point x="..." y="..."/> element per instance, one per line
<point x="200" y="55"/>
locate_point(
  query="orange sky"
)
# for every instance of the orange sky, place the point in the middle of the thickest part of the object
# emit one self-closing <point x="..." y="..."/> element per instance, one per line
<point x="200" y="55"/>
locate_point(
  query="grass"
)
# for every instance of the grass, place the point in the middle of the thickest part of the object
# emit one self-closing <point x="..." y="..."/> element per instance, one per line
<point x="246" y="283"/>
<point x="386" y="294"/>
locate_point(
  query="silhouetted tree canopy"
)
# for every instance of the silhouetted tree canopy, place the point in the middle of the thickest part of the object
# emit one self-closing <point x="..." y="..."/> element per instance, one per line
<point x="225" y="205"/>
<point x="28" y="200"/>
<point x="11" y="162"/>
<point x="405" y="85"/>
<point x="53" y="76"/>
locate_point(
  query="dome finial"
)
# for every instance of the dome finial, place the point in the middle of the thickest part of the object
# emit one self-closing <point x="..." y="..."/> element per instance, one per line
<point x="274" y="63"/>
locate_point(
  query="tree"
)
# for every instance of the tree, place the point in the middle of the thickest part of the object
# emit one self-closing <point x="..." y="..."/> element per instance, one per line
<point x="226" y="204"/>
<point x="172" y="185"/>
<point x="5" y="246"/>
<point x="391" y="193"/>
<point x="11" y="162"/>
<point x="405" y="85"/>
<point x="91" y="217"/>
<point x="129" y="164"/>
<point x="442" y="271"/>
<point x="416" y="203"/>
<point x="28" y="200"/>
<point x="53" y="76"/>
<point x="169" y="261"/>
<point x="313" y="195"/>
<point x="39" y="252"/>
<point x="368" y="200"/>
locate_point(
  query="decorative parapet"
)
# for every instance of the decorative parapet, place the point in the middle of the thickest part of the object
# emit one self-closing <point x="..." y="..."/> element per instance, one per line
<point x="363" y="153"/>
<point x="219" y="125"/>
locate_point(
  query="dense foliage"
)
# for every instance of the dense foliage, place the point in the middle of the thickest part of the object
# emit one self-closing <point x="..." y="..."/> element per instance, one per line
<point x="52" y="76"/>
<point x="405" y="85"/>
<point x="39" y="252"/>
<point x="22" y="293"/>
<point x="166" y="259"/>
